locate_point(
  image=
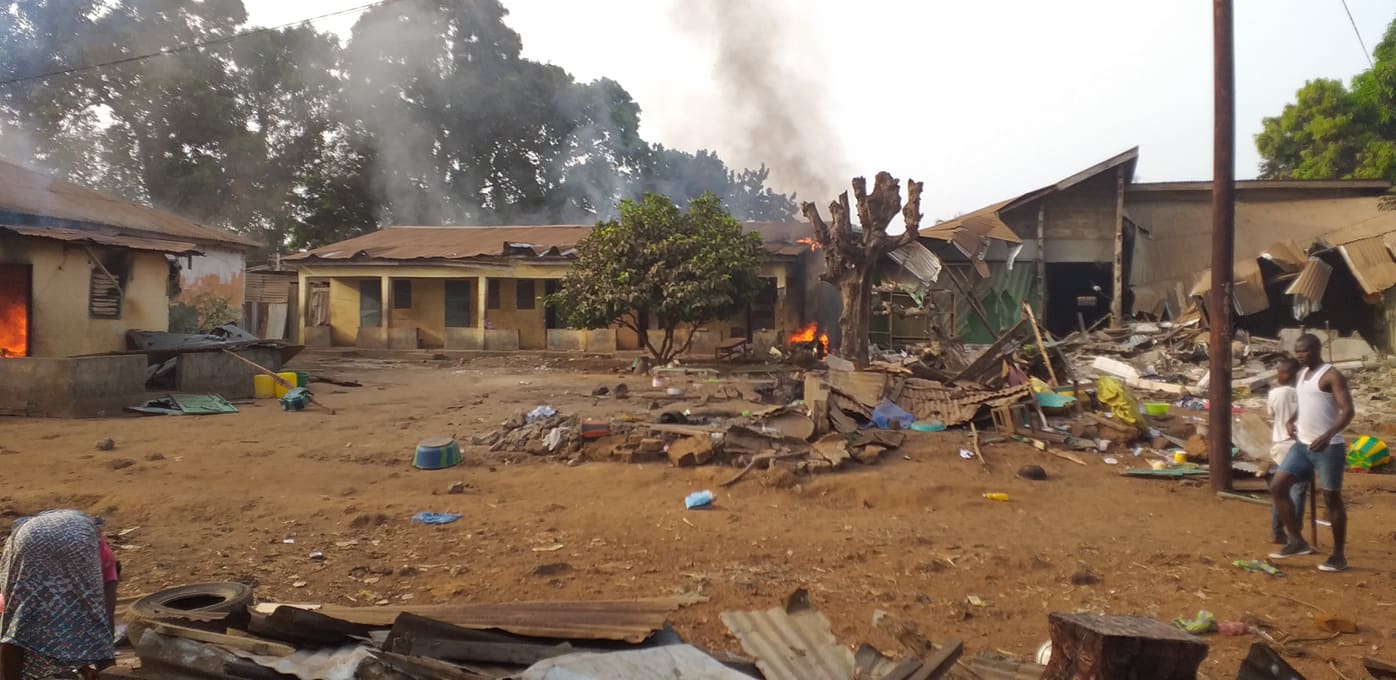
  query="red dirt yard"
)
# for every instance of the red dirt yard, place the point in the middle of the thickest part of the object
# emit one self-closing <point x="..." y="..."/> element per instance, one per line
<point x="191" y="499"/>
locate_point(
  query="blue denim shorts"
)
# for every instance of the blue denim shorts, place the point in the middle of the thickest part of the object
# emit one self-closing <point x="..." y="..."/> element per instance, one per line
<point x="1327" y="464"/>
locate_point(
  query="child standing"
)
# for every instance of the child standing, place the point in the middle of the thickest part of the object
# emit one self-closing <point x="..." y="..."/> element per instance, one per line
<point x="1283" y="405"/>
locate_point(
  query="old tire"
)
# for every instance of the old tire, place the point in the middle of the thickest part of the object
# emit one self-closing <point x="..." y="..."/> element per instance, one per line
<point x="207" y="606"/>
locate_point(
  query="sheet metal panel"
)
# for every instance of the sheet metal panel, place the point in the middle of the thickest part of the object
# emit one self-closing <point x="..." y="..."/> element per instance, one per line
<point x="1371" y="264"/>
<point x="104" y="239"/>
<point x="792" y="642"/>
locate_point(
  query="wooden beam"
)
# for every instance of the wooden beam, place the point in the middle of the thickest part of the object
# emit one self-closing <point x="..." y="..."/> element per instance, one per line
<point x="967" y="291"/>
<point x="93" y="257"/>
<point x="1117" y="291"/>
<point x="1041" y="346"/>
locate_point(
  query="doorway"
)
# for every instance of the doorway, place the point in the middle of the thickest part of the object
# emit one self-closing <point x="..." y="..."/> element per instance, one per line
<point x="14" y="310"/>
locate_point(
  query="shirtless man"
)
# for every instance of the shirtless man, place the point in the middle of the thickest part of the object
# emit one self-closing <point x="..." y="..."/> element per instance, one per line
<point x="1325" y="409"/>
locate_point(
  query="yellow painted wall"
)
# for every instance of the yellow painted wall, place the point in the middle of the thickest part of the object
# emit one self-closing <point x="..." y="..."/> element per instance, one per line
<point x="531" y="323"/>
<point x="344" y="311"/>
<point x="429" y="312"/>
<point x="60" y="287"/>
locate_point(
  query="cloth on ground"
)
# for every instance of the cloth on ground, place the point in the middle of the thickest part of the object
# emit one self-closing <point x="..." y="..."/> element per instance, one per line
<point x="51" y="574"/>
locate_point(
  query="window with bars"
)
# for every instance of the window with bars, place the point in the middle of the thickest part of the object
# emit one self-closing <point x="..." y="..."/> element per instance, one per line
<point x="104" y="290"/>
<point x="524" y="295"/>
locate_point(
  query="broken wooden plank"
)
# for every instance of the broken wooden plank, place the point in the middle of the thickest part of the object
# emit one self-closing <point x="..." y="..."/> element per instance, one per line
<point x="989" y="358"/>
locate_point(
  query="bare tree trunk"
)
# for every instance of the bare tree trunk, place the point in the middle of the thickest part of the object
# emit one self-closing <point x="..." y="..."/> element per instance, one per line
<point x="851" y="256"/>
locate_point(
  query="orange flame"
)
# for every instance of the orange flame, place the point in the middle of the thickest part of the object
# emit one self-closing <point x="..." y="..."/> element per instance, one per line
<point x="813" y="244"/>
<point x="807" y="335"/>
<point x="14" y="312"/>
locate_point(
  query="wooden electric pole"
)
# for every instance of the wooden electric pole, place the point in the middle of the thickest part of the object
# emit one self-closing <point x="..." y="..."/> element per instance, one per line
<point x="1223" y="244"/>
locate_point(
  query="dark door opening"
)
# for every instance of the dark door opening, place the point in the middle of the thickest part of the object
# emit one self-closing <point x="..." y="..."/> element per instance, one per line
<point x="370" y="304"/>
<point x="1077" y="288"/>
<point x="14" y="310"/>
<point x="551" y="321"/>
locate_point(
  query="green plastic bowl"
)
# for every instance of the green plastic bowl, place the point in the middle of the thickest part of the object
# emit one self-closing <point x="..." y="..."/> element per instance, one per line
<point x="1155" y="408"/>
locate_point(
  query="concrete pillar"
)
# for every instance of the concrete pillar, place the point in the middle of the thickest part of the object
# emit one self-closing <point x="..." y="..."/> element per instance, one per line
<point x="385" y="303"/>
<point x="302" y="305"/>
<point x="482" y="291"/>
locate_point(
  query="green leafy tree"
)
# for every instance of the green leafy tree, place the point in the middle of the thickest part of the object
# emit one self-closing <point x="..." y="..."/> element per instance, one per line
<point x="1335" y="132"/>
<point x="680" y="268"/>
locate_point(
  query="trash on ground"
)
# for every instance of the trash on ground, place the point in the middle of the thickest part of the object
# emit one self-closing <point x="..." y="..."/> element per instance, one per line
<point x="436" y="517"/>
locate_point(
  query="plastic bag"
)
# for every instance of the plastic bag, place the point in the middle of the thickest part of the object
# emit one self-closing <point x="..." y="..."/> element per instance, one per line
<point x="1121" y="401"/>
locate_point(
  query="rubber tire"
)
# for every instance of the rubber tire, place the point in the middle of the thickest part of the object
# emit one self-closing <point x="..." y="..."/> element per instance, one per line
<point x="230" y="611"/>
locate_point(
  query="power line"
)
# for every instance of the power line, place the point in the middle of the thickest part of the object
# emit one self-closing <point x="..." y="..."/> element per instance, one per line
<point x="1358" y="33"/>
<point x="190" y="46"/>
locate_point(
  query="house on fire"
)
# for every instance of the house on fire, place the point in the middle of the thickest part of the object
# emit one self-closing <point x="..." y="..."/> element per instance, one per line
<point x="78" y="269"/>
<point x="484" y="288"/>
<point x="1097" y="243"/>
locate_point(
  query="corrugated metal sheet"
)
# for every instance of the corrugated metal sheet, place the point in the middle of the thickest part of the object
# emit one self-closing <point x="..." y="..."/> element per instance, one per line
<point x="461" y="243"/>
<point x="1311" y="284"/>
<point x="1002" y="295"/>
<point x="792" y="642"/>
<point x="984" y="221"/>
<point x="624" y="620"/>
<point x="1287" y="255"/>
<point x="34" y="193"/>
<point x="1371" y="264"/>
<point x="930" y="400"/>
<point x="104" y="239"/>
<point x="919" y="260"/>
<point x="1248" y="287"/>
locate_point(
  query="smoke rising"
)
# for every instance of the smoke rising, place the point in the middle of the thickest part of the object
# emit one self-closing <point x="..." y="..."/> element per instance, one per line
<point x="772" y="105"/>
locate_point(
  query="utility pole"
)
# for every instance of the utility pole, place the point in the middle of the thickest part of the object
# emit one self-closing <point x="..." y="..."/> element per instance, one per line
<point x="1223" y="244"/>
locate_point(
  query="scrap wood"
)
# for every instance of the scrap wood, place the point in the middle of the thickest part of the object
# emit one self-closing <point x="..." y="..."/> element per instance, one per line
<point x="1242" y="497"/>
<point x="756" y="460"/>
<point x="865" y="387"/>
<point x="982" y="366"/>
<point x="833" y="447"/>
<point x="974" y="439"/>
<point x="1067" y="456"/>
<point x="1041" y="347"/>
<point x="316" y="377"/>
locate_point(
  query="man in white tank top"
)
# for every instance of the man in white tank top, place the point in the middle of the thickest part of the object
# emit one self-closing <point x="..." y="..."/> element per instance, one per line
<point x="1325" y="409"/>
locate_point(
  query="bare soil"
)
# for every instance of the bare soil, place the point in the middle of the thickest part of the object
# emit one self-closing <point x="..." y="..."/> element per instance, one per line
<point x="248" y="497"/>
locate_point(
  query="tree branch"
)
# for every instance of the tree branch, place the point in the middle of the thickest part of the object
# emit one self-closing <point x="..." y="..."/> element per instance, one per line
<point x="912" y="214"/>
<point x="692" y="333"/>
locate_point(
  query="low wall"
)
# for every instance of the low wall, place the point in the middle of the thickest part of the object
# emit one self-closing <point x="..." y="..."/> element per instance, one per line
<point x="601" y="341"/>
<point x="501" y="340"/>
<point x="218" y="373"/>
<point x="80" y="387"/>
<point x="465" y="338"/>
<point x="566" y="340"/>
<point x="372" y="338"/>
<point x="318" y="336"/>
<point x="402" y="338"/>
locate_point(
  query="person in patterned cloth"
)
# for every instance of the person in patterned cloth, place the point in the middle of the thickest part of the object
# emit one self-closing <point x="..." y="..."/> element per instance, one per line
<point x="59" y="584"/>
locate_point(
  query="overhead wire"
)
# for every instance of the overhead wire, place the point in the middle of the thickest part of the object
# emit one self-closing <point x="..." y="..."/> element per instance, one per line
<point x="1358" y="33"/>
<point x="190" y="46"/>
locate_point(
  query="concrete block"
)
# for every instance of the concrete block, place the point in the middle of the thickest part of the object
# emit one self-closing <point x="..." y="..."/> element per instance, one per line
<point x="218" y="373"/>
<point x="318" y="336"/>
<point x="501" y="340"/>
<point x="704" y="342"/>
<point x="601" y="341"/>
<point x="566" y="340"/>
<point x="79" y="387"/>
<point x="403" y="338"/>
<point x="372" y="338"/>
<point x="763" y="340"/>
<point x="465" y="338"/>
<point x="1349" y="349"/>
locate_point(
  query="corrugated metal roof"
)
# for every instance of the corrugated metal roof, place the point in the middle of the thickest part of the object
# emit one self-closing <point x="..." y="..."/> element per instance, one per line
<point x="462" y="243"/>
<point x="1312" y="281"/>
<point x="624" y="620"/>
<point x="792" y="642"/>
<point x="30" y="192"/>
<point x="99" y="238"/>
<point x="919" y="260"/>
<point x="1287" y="255"/>
<point x="1371" y="264"/>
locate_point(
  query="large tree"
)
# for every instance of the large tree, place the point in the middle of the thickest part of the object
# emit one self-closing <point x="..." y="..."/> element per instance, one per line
<point x="852" y="252"/>
<point x="678" y="268"/>
<point x="1332" y="131"/>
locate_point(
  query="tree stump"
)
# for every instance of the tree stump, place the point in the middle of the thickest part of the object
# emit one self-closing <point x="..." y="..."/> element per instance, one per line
<point x="1091" y="647"/>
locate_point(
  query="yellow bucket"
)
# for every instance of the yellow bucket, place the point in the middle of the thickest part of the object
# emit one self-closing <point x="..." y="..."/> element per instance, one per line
<point x="263" y="386"/>
<point x="290" y="378"/>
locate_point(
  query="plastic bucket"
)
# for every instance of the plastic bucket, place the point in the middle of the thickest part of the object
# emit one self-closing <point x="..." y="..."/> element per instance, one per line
<point x="288" y="376"/>
<point x="302" y="379"/>
<point x="263" y="386"/>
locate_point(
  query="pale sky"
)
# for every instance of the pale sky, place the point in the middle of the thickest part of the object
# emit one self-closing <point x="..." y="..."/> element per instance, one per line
<point x="980" y="100"/>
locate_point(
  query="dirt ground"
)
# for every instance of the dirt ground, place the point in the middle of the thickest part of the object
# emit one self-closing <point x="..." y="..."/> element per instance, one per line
<point x="192" y="499"/>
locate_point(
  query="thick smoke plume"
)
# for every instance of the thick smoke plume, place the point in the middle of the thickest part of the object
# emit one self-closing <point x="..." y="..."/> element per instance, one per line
<point x="771" y="101"/>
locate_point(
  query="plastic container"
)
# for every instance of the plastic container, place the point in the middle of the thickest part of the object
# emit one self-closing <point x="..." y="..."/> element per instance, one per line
<point x="698" y="499"/>
<point x="288" y="376"/>
<point x="436" y="453"/>
<point x="928" y="426"/>
<point x="302" y="379"/>
<point x="263" y="386"/>
<point x="996" y="496"/>
<point x="1180" y="457"/>
<point x="1156" y="408"/>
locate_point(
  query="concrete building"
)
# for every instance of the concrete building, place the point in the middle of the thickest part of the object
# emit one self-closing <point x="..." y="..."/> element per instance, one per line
<point x="484" y="288"/>
<point x="78" y="269"/>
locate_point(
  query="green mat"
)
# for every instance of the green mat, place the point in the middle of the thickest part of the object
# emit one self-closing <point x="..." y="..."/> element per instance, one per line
<point x="1192" y="471"/>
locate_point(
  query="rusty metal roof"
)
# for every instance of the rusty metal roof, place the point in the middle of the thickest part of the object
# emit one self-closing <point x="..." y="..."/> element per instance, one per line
<point x="30" y="192"/>
<point x="624" y="620"/>
<point x="1312" y="281"/>
<point x="104" y="239"/>
<point x="463" y="243"/>
<point x="791" y="642"/>
<point x="1371" y="264"/>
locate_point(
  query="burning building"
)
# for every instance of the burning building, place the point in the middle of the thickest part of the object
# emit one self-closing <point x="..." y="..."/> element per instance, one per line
<point x="78" y="269"/>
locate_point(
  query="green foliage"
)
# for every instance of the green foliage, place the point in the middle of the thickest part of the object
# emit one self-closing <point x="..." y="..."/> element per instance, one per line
<point x="683" y="268"/>
<point x="428" y="115"/>
<point x="1336" y="132"/>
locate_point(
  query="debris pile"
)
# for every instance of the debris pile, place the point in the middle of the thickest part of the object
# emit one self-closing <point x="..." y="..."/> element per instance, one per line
<point x="542" y="431"/>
